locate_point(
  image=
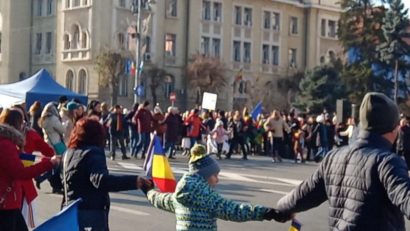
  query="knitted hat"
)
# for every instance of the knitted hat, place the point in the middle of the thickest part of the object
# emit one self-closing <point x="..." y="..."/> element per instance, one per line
<point x="378" y="113"/>
<point x="72" y="106"/>
<point x="201" y="163"/>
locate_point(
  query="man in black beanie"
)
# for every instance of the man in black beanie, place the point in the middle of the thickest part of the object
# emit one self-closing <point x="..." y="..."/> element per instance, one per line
<point x="367" y="185"/>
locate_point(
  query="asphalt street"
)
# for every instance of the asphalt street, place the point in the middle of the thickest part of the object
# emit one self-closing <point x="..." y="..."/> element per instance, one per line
<point x="257" y="181"/>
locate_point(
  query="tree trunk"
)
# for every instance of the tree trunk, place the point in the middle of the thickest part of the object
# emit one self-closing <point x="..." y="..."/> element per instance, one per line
<point x="114" y="94"/>
<point x="154" y="95"/>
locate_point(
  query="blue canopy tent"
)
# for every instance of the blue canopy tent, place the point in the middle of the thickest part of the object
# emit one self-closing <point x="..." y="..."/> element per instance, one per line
<point x="39" y="87"/>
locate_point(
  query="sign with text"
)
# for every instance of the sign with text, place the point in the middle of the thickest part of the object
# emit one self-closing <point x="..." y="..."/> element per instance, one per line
<point x="173" y="97"/>
<point x="209" y="101"/>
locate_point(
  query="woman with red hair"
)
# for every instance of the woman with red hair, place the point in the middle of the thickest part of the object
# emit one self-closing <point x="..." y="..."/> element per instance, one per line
<point x="86" y="175"/>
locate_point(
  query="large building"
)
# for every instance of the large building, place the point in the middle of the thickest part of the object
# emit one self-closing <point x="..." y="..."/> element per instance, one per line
<point x="259" y="41"/>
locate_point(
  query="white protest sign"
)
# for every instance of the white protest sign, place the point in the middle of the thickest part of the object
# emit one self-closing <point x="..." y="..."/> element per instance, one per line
<point x="209" y="101"/>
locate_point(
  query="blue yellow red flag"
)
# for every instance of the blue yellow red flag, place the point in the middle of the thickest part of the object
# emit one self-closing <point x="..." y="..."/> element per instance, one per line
<point x="295" y="226"/>
<point x="27" y="159"/>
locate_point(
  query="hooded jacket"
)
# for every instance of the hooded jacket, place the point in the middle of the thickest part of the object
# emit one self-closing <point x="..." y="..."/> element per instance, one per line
<point x="12" y="170"/>
<point x="53" y="128"/>
<point x="197" y="206"/>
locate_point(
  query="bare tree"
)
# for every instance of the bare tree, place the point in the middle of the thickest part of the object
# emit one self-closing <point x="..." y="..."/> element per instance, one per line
<point x="206" y="74"/>
<point x="157" y="76"/>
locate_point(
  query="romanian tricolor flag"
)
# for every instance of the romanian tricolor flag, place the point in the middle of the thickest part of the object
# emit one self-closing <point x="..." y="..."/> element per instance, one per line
<point x="295" y="226"/>
<point x="27" y="159"/>
<point x="157" y="167"/>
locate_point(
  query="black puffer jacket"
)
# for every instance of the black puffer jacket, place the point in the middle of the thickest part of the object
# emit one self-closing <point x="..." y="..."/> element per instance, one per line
<point x="87" y="177"/>
<point x="367" y="186"/>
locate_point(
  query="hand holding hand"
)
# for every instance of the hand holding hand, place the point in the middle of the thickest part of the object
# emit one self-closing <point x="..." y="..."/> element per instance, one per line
<point x="144" y="184"/>
<point x="55" y="160"/>
<point x="277" y="216"/>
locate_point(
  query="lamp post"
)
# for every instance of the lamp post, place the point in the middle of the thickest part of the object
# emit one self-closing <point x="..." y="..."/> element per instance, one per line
<point x="136" y="11"/>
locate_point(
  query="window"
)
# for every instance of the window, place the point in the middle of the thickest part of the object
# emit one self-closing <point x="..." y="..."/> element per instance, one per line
<point x="206" y="10"/>
<point x="248" y="16"/>
<point x="236" y="51"/>
<point x="69" y="80"/>
<point x="123" y="86"/>
<point x="84" y="40"/>
<point x="238" y="15"/>
<point x="49" y="7"/>
<point x="266" y="20"/>
<point x="265" y="54"/>
<point x="122" y="3"/>
<point x="82" y="82"/>
<point x="170" y="45"/>
<point x="275" y="55"/>
<point x="292" y="57"/>
<point x="276" y="21"/>
<point x="172" y="8"/>
<point x="121" y="41"/>
<point x="39" y="7"/>
<point x="205" y="45"/>
<point x="66" y="42"/>
<point x="216" y="47"/>
<point x="39" y="41"/>
<point x="323" y="28"/>
<point x="85" y="3"/>
<point x="217" y="11"/>
<point x="49" y="41"/>
<point x="0" y="42"/>
<point x="293" y="25"/>
<point x="247" y="52"/>
<point x="76" y="37"/>
<point x="67" y="4"/>
<point x="147" y="44"/>
<point x="332" y="29"/>
<point x="76" y="3"/>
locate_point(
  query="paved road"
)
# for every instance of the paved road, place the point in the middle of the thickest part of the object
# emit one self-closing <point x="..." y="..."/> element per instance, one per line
<point x="256" y="180"/>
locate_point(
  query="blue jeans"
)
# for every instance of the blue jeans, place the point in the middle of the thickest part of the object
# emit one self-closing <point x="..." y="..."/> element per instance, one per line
<point x="169" y="148"/>
<point x="143" y="143"/>
<point x="134" y="141"/>
<point x="193" y="141"/>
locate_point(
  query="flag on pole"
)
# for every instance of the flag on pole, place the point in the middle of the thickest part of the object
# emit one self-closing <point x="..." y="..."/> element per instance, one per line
<point x="158" y="168"/>
<point x="132" y="68"/>
<point x="140" y="68"/>
<point x="27" y="159"/>
<point x="65" y="220"/>
<point x="257" y="110"/>
<point x="295" y="226"/>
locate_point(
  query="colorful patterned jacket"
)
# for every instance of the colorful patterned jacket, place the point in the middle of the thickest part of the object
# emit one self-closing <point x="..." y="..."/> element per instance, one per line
<point x="197" y="206"/>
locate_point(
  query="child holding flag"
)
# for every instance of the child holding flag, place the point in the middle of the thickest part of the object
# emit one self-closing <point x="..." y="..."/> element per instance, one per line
<point x="195" y="203"/>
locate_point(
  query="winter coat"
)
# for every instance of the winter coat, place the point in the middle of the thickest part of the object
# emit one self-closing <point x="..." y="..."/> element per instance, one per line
<point x="159" y="127"/>
<point x="276" y="127"/>
<point x="112" y="121"/>
<point x="12" y="170"/>
<point x="194" y="126"/>
<point x="53" y="130"/>
<point x="197" y="206"/>
<point x="143" y="118"/>
<point x="88" y="178"/>
<point x="367" y="186"/>
<point x="174" y="126"/>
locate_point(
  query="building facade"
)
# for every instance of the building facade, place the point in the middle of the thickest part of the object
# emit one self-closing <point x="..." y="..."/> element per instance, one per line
<point x="260" y="42"/>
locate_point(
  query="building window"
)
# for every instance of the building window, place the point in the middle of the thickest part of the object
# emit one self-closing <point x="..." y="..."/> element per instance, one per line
<point x="49" y="42"/>
<point x="39" y="42"/>
<point x="238" y="15"/>
<point x="265" y="54"/>
<point x="248" y="17"/>
<point x="205" y="45"/>
<point x="39" y="7"/>
<point x="216" y="47"/>
<point x="66" y="42"/>
<point x="332" y="29"/>
<point x="247" y="52"/>
<point x="85" y="3"/>
<point x="275" y="55"/>
<point x="294" y="25"/>
<point x="0" y="41"/>
<point x="76" y="37"/>
<point x="122" y="3"/>
<point x="67" y="4"/>
<point x="76" y="3"/>
<point x="170" y="46"/>
<point x="292" y="57"/>
<point x="84" y="40"/>
<point x="172" y="8"/>
<point x="236" y="51"/>
<point x="82" y="82"/>
<point x="123" y="86"/>
<point x="217" y="11"/>
<point x="49" y="7"/>
<point x="276" y="21"/>
<point x="69" y="80"/>
<point x="121" y="41"/>
<point x="266" y="20"/>
<point x="206" y="10"/>
<point x="147" y="44"/>
<point x="323" y="28"/>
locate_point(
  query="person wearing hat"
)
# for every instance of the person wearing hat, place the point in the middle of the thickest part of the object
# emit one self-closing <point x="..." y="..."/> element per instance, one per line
<point x="196" y="204"/>
<point x="69" y="114"/>
<point x="366" y="184"/>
